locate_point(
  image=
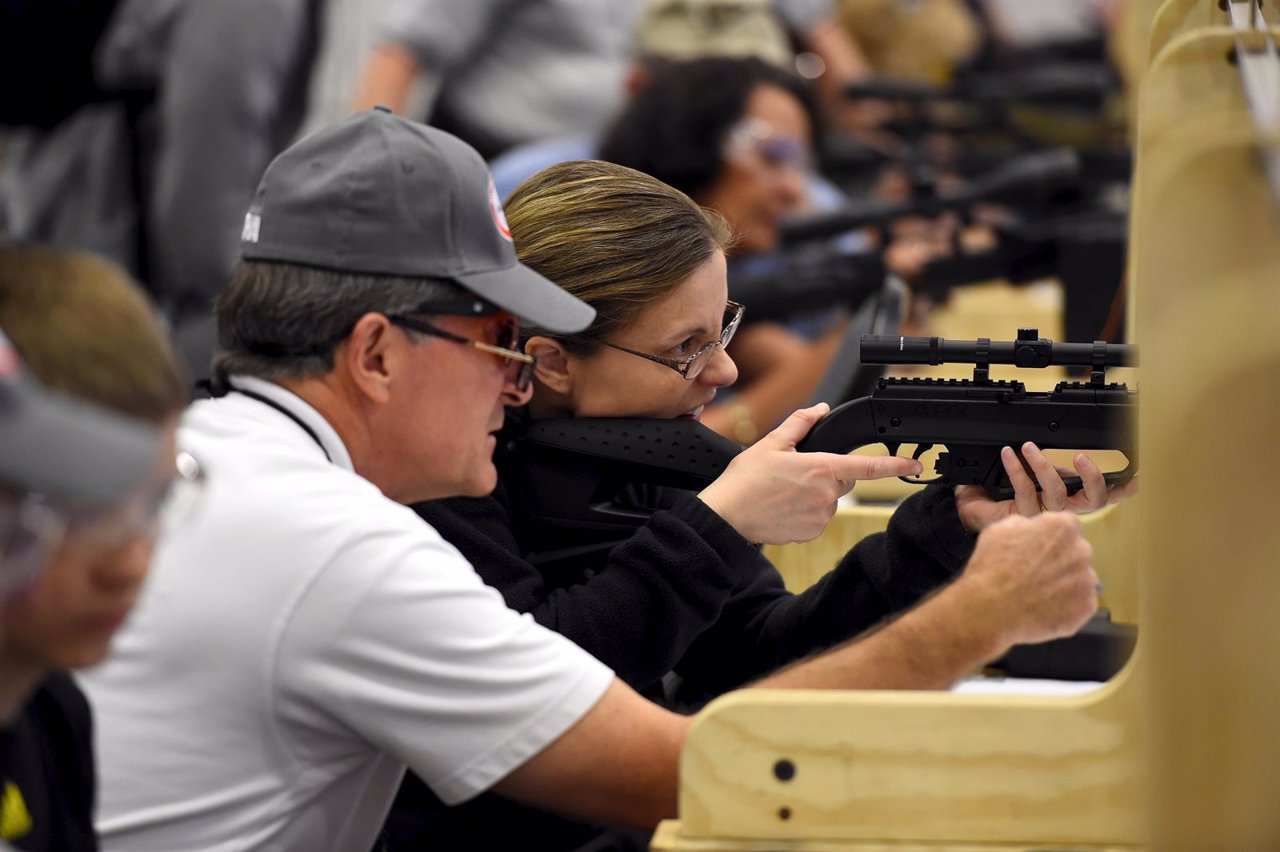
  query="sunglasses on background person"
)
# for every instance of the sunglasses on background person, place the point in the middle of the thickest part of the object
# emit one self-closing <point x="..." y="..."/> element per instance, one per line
<point x="752" y="136"/>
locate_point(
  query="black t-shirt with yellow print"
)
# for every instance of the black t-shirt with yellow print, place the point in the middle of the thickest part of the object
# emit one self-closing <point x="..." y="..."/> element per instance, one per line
<point x="46" y="763"/>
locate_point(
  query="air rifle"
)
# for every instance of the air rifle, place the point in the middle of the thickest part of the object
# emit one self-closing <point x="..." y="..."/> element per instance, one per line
<point x="1062" y="85"/>
<point x="1026" y="251"/>
<point x="1032" y="178"/>
<point x="595" y="459"/>
<point x="975" y="418"/>
<point x="811" y="278"/>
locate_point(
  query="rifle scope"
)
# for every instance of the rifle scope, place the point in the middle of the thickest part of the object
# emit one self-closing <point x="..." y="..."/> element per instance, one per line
<point x="1029" y="350"/>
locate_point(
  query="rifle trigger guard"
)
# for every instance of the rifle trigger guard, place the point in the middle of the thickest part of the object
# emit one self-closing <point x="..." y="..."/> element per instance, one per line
<point x="921" y="449"/>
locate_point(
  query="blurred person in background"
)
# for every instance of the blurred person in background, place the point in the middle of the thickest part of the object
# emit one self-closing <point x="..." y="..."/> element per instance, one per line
<point x="85" y="468"/>
<point x="830" y="55"/>
<point x="668" y="32"/>
<point x="924" y="40"/>
<point x="349" y="31"/>
<point x="151" y="156"/>
<point x="679" y="31"/>
<point x="1019" y="25"/>
<point x="499" y="73"/>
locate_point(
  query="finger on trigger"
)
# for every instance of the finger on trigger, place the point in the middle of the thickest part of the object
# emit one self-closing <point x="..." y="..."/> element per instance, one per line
<point x="853" y="467"/>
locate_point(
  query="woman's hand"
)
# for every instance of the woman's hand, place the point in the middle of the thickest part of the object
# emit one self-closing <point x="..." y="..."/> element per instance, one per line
<point x="772" y="494"/>
<point x="978" y="511"/>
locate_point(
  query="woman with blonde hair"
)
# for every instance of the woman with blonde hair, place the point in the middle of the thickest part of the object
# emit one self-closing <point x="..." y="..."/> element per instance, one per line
<point x="686" y="607"/>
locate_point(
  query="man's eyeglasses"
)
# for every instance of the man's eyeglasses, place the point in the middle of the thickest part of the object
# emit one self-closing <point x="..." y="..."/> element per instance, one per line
<point x="506" y="336"/>
<point x="690" y="368"/>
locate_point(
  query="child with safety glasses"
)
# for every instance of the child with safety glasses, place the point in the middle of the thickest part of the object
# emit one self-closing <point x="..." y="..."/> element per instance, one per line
<point x="90" y="393"/>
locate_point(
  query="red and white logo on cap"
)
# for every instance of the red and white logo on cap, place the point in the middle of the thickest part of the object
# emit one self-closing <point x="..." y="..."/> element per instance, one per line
<point x="499" y="218"/>
<point x="10" y="363"/>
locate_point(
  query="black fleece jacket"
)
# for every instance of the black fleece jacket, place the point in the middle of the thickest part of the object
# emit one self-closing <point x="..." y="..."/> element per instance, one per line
<point x="685" y="593"/>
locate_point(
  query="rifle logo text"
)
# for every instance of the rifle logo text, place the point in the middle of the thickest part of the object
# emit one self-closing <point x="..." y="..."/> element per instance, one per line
<point x="938" y="410"/>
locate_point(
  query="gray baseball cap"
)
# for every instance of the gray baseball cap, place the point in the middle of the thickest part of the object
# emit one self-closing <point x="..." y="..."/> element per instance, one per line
<point x="64" y="448"/>
<point x="381" y="195"/>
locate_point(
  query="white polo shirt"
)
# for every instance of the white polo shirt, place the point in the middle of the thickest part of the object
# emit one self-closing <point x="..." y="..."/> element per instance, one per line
<point x="300" y="640"/>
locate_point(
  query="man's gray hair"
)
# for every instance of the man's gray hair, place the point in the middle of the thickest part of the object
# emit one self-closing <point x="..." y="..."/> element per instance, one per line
<point x="282" y="321"/>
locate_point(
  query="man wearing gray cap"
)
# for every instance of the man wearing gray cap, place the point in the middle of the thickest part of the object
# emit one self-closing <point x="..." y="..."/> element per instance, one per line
<point x="305" y="636"/>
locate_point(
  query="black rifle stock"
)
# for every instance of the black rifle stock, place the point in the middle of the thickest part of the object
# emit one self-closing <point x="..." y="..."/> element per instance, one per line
<point x="975" y="418"/>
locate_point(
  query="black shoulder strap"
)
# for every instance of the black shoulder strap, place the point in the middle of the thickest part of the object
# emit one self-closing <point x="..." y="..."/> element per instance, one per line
<point x="214" y="389"/>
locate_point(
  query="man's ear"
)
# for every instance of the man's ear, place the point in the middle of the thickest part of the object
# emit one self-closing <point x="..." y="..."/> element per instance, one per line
<point x="554" y="370"/>
<point x="368" y="357"/>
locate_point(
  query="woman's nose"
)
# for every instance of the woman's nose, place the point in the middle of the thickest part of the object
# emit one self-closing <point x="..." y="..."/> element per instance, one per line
<point x="722" y="371"/>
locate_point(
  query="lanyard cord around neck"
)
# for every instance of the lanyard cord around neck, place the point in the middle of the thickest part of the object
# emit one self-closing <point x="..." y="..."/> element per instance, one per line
<point x="287" y="413"/>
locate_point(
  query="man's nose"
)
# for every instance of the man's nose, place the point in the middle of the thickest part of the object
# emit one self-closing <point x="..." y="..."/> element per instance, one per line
<point x="512" y="395"/>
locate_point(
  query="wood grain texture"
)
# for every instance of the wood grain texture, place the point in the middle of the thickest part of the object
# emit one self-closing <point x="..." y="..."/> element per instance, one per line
<point x="1113" y="532"/>
<point x="1209" y="321"/>
<point x="1178" y="17"/>
<point x="1180" y="750"/>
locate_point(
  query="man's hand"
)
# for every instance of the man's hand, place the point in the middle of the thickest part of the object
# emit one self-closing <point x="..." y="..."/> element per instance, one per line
<point x="1030" y="579"/>
<point x="978" y="511"/>
<point x="772" y="494"/>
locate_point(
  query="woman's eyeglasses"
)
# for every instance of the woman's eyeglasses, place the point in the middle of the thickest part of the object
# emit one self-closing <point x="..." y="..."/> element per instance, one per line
<point x="506" y="336"/>
<point x="690" y="368"/>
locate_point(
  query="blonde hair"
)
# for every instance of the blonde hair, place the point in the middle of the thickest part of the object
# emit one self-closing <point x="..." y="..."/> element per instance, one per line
<point x="614" y="237"/>
<point x="84" y="328"/>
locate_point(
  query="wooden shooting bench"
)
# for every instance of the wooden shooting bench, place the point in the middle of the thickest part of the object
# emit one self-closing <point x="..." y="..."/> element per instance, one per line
<point x="1178" y="751"/>
<point x="1113" y="532"/>
<point x="1177" y="17"/>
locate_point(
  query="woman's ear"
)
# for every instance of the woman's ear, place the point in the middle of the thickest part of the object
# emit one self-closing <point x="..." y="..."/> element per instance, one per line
<point x="553" y="370"/>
